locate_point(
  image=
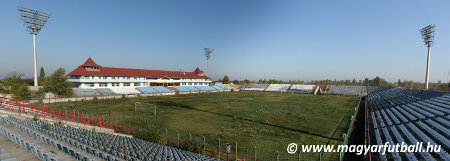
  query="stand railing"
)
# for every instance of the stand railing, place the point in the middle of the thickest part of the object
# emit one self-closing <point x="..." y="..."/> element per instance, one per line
<point x="45" y="111"/>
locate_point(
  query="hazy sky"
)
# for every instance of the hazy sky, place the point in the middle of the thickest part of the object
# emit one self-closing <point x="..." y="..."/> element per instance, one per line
<point x="278" y="39"/>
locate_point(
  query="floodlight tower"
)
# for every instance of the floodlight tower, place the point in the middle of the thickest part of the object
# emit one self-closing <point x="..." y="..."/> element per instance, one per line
<point x="34" y="21"/>
<point x="428" y="37"/>
<point x="208" y="53"/>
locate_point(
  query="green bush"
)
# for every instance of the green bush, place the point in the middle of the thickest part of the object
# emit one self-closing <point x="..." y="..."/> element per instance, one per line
<point x="35" y="118"/>
<point x="149" y="134"/>
<point x="45" y="126"/>
<point x="192" y="146"/>
<point x="60" y="123"/>
<point x="40" y="101"/>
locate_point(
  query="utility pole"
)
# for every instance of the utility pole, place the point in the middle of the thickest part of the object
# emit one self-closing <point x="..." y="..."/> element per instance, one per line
<point x="208" y="53"/>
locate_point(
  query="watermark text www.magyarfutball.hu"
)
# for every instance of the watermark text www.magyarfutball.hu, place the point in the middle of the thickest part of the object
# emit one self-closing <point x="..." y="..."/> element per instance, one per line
<point x="364" y="149"/>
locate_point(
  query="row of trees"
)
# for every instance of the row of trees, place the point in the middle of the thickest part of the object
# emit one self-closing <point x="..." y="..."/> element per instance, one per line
<point x="17" y="86"/>
<point x="411" y="83"/>
<point x="377" y="81"/>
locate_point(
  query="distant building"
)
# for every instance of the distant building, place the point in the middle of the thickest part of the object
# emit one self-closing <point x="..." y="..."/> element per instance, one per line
<point x="91" y="75"/>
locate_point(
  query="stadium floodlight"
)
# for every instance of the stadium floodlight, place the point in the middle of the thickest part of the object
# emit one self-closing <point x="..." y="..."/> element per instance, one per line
<point x="34" y="21"/>
<point x="428" y="37"/>
<point x="208" y="53"/>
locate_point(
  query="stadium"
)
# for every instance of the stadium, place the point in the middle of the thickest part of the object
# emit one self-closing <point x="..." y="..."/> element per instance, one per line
<point x="135" y="106"/>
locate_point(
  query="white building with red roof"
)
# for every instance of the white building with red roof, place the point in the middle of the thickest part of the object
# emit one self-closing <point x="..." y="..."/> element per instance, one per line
<point x="92" y="75"/>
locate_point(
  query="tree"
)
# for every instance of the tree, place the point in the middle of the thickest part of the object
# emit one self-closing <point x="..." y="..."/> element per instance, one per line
<point x="28" y="81"/>
<point x="354" y="81"/>
<point x="226" y="80"/>
<point x="264" y="81"/>
<point x="377" y="81"/>
<point x="246" y="81"/>
<point x="366" y="81"/>
<point x="41" y="77"/>
<point x="15" y="86"/>
<point x="236" y="82"/>
<point x="57" y="83"/>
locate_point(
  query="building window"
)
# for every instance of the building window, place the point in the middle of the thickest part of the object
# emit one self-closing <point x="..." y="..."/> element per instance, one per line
<point x="103" y="85"/>
<point x="137" y="84"/>
<point x="115" y="84"/>
<point x="126" y="84"/>
<point x="105" y="77"/>
<point x="90" y="84"/>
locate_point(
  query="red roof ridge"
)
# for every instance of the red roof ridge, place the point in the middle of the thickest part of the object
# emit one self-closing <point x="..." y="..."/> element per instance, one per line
<point x="90" y="62"/>
<point x="197" y="70"/>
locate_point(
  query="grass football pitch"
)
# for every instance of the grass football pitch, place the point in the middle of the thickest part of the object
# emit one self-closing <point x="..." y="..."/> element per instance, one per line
<point x="267" y="121"/>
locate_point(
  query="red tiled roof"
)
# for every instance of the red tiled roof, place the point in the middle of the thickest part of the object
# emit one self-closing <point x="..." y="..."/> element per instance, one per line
<point x="127" y="72"/>
<point x="90" y="62"/>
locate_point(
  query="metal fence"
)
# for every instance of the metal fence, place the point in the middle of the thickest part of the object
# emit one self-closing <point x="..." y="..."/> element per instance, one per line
<point x="348" y="134"/>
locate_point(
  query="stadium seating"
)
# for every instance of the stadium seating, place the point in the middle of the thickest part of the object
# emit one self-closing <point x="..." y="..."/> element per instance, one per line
<point x="105" y="146"/>
<point x="29" y="145"/>
<point x="302" y="88"/>
<point x="161" y="89"/>
<point x="347" y="90"/>
<point x="278" y="87"/>
<point x="256" y="87"/>
<point x="125" y="90"/>
<point x="190" y="88"/>
<point x="204" y="88"/>
<point x="411" y="116"/>
<point x="198" y="88"/>
<point x="82" y="92"/>
<point x="181" y="88"/>
<point x="229" y="87"/>
<point x="218" y="87"/>
<point x="147" y="89"/>
<point x="106" y="91"/>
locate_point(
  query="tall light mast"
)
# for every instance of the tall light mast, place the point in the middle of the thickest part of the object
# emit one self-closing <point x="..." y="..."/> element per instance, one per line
<point x="34" y="21"/>
<point x="208" y="53"/>
<point x="428" y="37"/>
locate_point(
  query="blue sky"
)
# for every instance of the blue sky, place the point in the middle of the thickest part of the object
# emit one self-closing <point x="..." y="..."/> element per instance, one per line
<point x="289" y="40"/>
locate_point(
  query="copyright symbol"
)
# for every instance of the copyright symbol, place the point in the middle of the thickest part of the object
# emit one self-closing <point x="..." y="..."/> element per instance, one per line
<point x="292" y="148"/>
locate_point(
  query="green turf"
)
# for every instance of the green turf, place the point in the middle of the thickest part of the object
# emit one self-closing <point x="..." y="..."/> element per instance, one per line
<point x="269" y="121"/>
